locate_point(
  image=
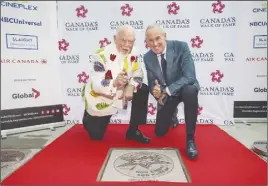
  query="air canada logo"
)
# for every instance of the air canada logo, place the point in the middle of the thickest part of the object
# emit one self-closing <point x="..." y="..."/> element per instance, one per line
<point x="65" y="109"/>
<point x="81" y="11"/>
<point x="256" y="59"/>
<point x="104" y="42"/>
<point x="173" y="8"/>
<point x="63" y="45"/>
<point x="126" y="10"/>
<point x="81" y="25"/>
<point x="82" y="77"/>
<point x="218" y="7"/>
<point x="27" y="95"/>
<point x="216" y="76"/>
<point x="174" y="22"/>
<point x="67" y="58"/>
<point x="24" y="61"/>
<point x="219" y="21"/>
<point x="217" y="89"/>
<point x="151" y="109"/>
<point x="201" y="56"/>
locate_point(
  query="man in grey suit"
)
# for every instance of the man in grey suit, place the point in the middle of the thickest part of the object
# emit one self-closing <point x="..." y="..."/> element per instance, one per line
<point x="172" y="79"/>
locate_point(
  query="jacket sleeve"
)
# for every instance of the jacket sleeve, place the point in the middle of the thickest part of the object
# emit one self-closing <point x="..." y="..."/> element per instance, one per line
<point x="150" y="77"/>
<point x="188" y="72"/>
<point x="137" y="76"/>
<point x="100" y="76"/>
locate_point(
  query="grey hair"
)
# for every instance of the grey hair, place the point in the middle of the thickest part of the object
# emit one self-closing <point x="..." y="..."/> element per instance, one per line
<point x="154" y="26"/>
<point x="124" y="28"/>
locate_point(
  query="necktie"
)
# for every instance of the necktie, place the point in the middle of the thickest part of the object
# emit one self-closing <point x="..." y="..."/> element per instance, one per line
<point x="164" y="67"/>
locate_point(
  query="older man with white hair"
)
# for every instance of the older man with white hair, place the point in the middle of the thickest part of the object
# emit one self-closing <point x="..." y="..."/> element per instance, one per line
<point x="116" y="78"/>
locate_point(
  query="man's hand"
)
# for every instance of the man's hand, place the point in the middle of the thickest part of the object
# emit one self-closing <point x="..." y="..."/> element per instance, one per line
<point x="121" y="80"/>
<point x="128" y="92"/>
<point x="156" y="90"/>
<point x="161" y="98"/>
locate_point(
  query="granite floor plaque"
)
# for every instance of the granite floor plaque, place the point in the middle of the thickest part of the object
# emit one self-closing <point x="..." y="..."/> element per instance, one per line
<point x="128" y="165"/>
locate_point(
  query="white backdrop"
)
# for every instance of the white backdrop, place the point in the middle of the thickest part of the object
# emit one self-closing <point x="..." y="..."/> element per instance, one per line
<point x="29" y="66"/>
<point x="220" y="37"/>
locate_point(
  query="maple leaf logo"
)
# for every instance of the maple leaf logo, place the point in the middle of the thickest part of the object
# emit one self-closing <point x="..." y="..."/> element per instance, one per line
<point x="151" y="109"/>
<point x="65" y="109"/>
<point x="82" y="77"/>
<point x="104" y="42"/>
<point x="146" y="45"/>
<point x="126" y="10"/>
<point x="216" y="76"/>
<point x="63" y="45"/>
<point x="81" y="11"/>
<point x="199" y="110"/>
<point x="173" y="8"/>
<point x="218" y="7"/>
<point x="196" y="42"/>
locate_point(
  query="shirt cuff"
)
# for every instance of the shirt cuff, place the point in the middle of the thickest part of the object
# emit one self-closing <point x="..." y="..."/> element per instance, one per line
<point x="168" y="92"/>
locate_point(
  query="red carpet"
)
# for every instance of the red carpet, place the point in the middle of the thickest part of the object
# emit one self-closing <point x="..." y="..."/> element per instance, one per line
<point x="74" y="159"/>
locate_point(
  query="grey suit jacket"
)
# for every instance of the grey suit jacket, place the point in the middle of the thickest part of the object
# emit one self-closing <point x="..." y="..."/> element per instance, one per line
<point x="180" y="68"/>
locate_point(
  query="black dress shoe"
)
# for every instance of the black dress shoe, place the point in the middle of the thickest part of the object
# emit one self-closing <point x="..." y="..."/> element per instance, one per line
<point x="192" y="152"/>
<point x="138" y="136"/>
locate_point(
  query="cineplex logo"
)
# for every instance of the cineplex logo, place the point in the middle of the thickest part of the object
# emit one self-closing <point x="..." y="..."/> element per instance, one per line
<point x="27" y="95"/>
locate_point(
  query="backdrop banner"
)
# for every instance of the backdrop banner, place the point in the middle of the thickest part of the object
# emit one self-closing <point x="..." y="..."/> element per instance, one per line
<point x="228" y="47"/>
<point x="31" y="92"/>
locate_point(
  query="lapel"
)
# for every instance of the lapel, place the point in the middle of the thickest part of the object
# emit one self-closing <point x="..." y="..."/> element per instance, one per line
<point x="170" y="59"/>
<point x="156" y="68"/>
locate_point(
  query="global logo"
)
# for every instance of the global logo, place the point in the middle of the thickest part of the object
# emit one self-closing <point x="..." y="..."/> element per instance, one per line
<point x="18" y="5"/>
<point x="216" y="78"/>
<point x="197" y="42"/>
<point x="34" y="94"/>
<point x="126" y="11"/>
<point x="172" y="9"/>
<point x="105" y="42"/>
<point x="216" y="22"/>
<point x="81" y="26"/>
<point x="260" y="90"/>
<point x="23" y="42"/>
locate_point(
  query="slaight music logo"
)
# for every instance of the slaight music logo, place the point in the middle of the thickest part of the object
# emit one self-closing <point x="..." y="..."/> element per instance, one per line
<point x="105" y="42"/>
<point x="197" y="42"/>
<point x="19" y="5"/>
<point x="260" y="41"/>
<point x="217" y="89"/>
<point x="26" y="95"/>
<point x="17" y="41"/>
<point x="82" y="78"/>
<point x="23" y="61"/>
<point x="81" y="13"/>
<point x="126" y="10"/>
<point x="219" y="21"/>
<point x="63" y="45"/>
<point x="13" y="20"/>
<point x="173" y="9"/>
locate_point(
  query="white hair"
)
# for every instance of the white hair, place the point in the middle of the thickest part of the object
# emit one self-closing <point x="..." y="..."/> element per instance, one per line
<point x="154" y="26"/>
<point x="125" y="28"/>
